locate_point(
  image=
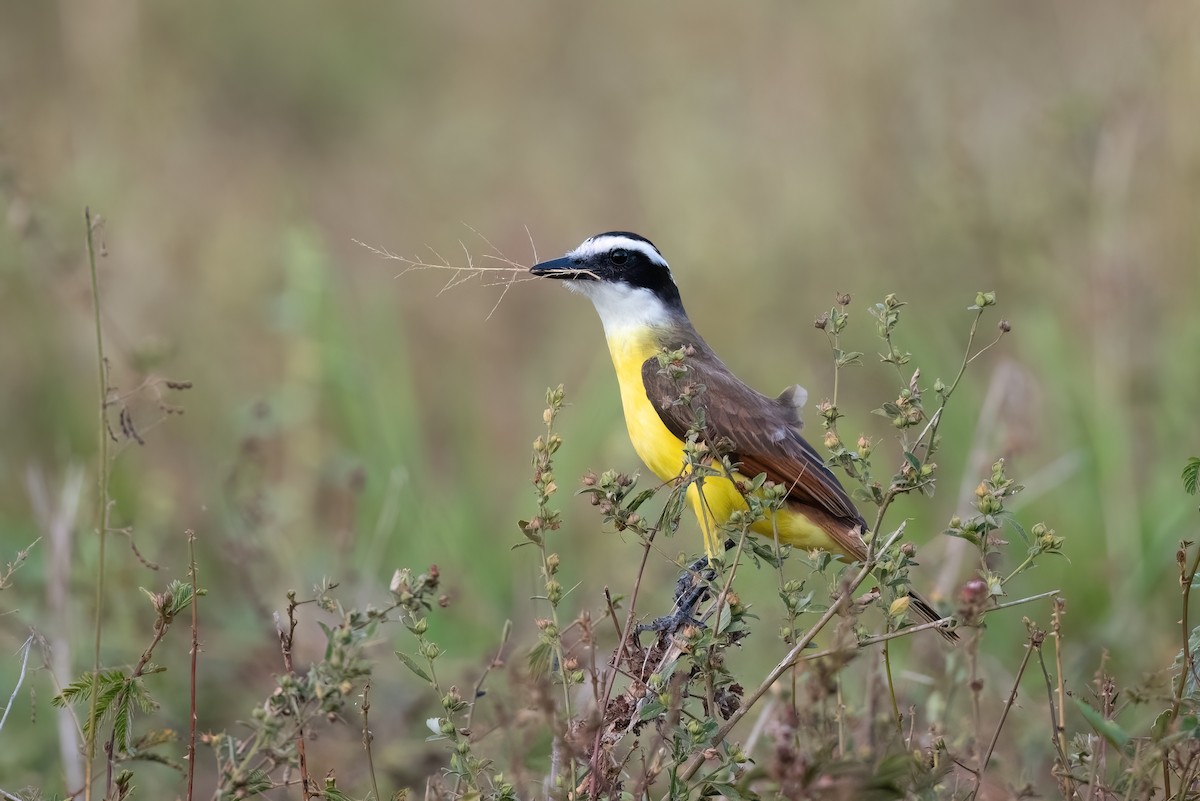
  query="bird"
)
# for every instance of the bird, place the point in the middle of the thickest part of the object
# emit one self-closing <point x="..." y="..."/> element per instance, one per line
<point x="634" y="292"/>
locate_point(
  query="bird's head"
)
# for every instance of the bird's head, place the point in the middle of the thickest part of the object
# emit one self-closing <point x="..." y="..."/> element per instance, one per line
<point x="624" y="275"/>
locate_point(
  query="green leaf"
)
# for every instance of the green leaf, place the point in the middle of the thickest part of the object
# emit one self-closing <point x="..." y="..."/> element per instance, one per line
<point x="1107" y="729"/>
<point x="1191" y="476"/>
<point x="1161" y="724"/>
<point x="1011" y="519"/>
<point x="411" y="664"/>
<point x="155" y="737"/>
<point x="726" y="617"/>
<point x="850" y="357"/>
<point x="728" y="791"/>
<point x="540" y="660"/>
<point x="641" y="498"/>
<point x="531" y="534"/>
<point x="650" y="711"/>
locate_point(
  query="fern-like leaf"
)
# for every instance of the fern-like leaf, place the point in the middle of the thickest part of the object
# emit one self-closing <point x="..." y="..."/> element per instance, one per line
<point x="1191" y="476"/>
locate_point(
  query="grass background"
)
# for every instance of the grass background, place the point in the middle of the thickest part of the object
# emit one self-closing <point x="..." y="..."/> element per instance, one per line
<point x="344" y="423"/>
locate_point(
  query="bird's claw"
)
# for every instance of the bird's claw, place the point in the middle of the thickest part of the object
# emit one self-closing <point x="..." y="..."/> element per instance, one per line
<point x="691" y="588"/>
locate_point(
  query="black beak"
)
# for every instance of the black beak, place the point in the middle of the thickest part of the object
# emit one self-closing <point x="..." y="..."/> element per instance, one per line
<point x="560" y="268"/>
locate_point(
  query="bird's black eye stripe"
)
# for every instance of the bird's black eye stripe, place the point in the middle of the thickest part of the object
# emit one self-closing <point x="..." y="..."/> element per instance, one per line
<point x="618" y="256"/>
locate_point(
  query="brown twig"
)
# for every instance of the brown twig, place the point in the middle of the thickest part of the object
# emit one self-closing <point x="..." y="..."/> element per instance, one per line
<point x="286" y="642"/>
<point x="1056" y="729"/>
<point x="611" y="679"/>
<point x="110" y="748"/>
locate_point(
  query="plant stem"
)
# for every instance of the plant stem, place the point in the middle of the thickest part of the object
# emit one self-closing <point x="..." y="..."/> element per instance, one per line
<point x="1028" y="561"/>
<point x="615" y="664"/>
<point x="1008" y="704"/>
<point x="1186" y="578"/>
<point x="191" y="751"/>
<point x="887" y="669"/>
<point x="101" y="499"/>
<point x="1057" y="736"/>
<point x="367" y="737"/>
<point x="286" y="641"/>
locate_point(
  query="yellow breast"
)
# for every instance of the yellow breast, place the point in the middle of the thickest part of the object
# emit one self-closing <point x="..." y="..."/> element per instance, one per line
<point x="662" y="452"/>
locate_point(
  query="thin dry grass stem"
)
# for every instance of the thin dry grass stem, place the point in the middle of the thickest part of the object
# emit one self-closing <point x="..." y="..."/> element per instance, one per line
<point x="101" y="521"/>
<point x="24" y="652"/>
<point x="1034" y="643"/>
<point x="191" y="749"/>
<point x="504" y="274"/>
<point x="367" y="737"/>
<point x="495" y="662"/>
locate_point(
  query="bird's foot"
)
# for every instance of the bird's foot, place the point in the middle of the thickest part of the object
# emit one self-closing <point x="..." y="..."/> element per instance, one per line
<point x="690" y="590"/>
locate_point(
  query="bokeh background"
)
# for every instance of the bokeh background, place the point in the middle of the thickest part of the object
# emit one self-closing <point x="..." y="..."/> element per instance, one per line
<point x="344" y="422"/>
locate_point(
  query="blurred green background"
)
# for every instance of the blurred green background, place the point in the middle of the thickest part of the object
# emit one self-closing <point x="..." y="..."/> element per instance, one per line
<point x="344" y="423"/>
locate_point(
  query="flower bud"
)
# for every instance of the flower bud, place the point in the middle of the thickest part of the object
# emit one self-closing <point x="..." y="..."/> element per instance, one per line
<point x="974" y="591"/>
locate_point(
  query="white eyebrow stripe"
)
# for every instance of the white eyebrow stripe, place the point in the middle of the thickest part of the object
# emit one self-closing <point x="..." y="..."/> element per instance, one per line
<point x="603" y="244"/>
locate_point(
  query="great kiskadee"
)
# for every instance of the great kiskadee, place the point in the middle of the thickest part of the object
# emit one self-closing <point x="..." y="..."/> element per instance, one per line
<point x="630" y="284"/>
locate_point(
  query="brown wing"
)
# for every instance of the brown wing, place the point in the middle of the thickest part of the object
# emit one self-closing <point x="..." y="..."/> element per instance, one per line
<point x="763" y="434"/>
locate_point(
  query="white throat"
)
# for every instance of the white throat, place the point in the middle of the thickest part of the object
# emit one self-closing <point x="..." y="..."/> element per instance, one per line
<point x="623" y="308"/>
